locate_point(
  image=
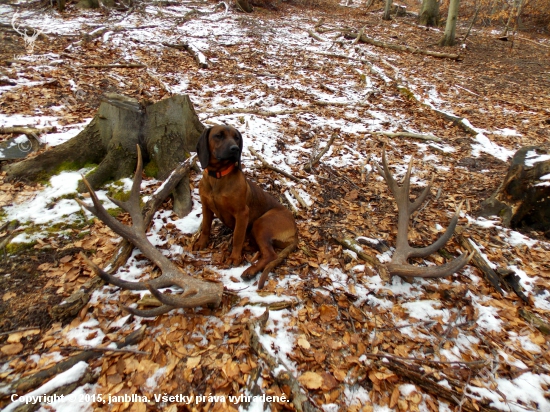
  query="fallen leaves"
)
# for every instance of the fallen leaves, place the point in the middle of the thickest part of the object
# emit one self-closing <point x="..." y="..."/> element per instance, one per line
<point x="311" y="380"/>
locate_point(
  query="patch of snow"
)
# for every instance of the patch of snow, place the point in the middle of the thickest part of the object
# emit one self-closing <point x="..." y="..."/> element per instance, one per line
<point x="532" y="157"/>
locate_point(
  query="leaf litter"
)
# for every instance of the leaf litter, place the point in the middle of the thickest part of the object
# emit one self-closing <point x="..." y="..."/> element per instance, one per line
<point x="332" y="318"/>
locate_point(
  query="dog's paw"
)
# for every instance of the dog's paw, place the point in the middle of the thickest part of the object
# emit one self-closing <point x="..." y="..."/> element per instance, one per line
<point x="234" y="260"/>
<point x="249" y="273"/>
<point x="200" y="244"/>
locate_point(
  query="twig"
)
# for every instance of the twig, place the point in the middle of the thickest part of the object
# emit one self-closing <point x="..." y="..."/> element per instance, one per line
<point x="193" y="51"/>
<point x="411" y="135"/>
<point x="296" y="195"/>
<point x="352" y="245"/>
<point x="284" y="378"/>
<point x="534" y="42"/>
<point x="417" y="360"/>
<point x="114" y="66"/>
<point x="9" y="332"/>
<point x="315" y="35"/>
<point x="451" y="326"/>
<point x="439" y="391"/>
<point x="406" y="326"/>
<point x="361" y="32"/>
<point x="317" y="158"/>
<point x="27" y="130"/>
<point x="266" y="113"/>
<point x="100" y="349"/>
<point x="270" y="167"/>
<point x="32" y="381"/>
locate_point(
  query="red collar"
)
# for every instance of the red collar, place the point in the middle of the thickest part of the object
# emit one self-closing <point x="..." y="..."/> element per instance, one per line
<point x="223" y="172"/>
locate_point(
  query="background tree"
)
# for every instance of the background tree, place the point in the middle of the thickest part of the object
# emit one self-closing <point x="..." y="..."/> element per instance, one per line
<point x="387" y="10"/>
<point x="448" y="38"/>
<point x="429" y="13"/>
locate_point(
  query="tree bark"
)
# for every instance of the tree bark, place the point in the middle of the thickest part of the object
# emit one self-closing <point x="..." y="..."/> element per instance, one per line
<point x="523" y="198"/>
<point x="448" y="38"/>
<point x="166" y="132"/>
<point x="387" y="10"/>
<point x="429" y="13"/>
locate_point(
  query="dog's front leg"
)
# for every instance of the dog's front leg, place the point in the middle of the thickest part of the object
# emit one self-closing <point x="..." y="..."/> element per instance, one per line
<point x="241" y="223"/>
<point x="207" y="218"/>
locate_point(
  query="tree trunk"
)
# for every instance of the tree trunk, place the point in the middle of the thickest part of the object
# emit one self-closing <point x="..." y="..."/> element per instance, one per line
<point x="523" y="199"/>
<point x="429" y="13"/>
<point x="387" y="10"/>
<point x="166" y="132"/>
<point x="448" y="38"/>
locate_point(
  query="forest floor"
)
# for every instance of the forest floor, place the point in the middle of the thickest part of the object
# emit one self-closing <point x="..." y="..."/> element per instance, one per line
<point x="353" y="339"/>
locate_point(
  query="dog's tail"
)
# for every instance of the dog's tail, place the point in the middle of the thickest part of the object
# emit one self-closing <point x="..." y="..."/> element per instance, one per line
<point x="280" y="257"/>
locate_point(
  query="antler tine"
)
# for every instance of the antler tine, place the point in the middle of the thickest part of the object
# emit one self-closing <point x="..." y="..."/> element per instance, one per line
<point x="132" y="205"/>
<point x="149" y="313"/>
<point x="385" y="172"/>
<point x="420" y="199"/>
<point x="101" y="213"/>
<point x="431" y="271"/>
<point x="439" y="243"/>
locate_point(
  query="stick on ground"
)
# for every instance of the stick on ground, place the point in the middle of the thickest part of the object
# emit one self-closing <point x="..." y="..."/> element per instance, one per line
<point x="270" y="167"/>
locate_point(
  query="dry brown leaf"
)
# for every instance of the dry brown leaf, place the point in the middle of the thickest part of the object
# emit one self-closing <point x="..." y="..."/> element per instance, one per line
<point x="303" y="343"/>
<point x="193" y="361"/>
<point x="311" y="380"/>
<point x="340" y="374"/>
<point x="17" y="336"/>
<point x="329" y="382"/>
<point x="12" y="348"/>
<point x="328" y="313"/>
<point x="394" y="397"/>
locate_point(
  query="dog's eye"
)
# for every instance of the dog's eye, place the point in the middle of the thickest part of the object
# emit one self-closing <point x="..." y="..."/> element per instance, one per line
<point x="217" y="136"/>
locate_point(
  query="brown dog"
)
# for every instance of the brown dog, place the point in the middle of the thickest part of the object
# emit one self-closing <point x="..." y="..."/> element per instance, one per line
<point x="240" y="204"/>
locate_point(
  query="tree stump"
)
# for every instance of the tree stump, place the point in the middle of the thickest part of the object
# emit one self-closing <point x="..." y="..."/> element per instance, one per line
<point x="523" y="198"/>
<point x="166" y="132"/>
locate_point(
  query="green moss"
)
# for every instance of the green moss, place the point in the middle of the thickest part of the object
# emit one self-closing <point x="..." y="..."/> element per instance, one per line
<point x="18" y="247"/>
<point x="114" y="212"/>
<point x="152" y="169"/>
<point x="66" y="166"/>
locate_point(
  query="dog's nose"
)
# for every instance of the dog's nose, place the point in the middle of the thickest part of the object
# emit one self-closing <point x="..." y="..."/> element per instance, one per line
<point x="234" y="149"/>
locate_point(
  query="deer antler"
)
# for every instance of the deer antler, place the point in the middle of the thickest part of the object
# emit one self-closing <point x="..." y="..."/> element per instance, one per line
<point x="403" y="251"/>
<point x="196" y="292"/>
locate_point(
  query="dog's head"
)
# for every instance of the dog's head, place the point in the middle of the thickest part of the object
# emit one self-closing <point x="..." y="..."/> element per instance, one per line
<point x="220" y="146"/>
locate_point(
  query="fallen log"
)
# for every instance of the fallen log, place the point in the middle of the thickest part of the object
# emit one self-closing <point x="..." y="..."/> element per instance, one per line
<point x="523" y="198"/>
<point x="478" y="260"/>
<point x="411" y="135"/>
<point x="352" y="35"/>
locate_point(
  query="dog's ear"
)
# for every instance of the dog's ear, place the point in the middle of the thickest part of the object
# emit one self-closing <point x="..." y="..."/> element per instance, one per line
<point x="203" y="151"/>
<point x="240" y="146"/>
